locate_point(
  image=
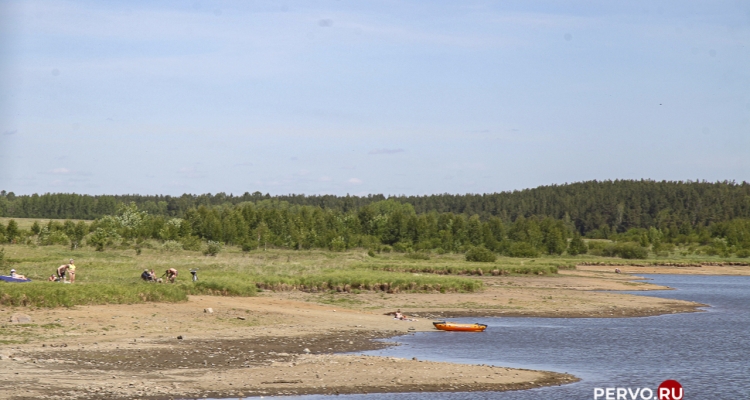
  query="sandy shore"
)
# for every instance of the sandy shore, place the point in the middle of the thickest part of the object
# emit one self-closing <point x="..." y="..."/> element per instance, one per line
<point x="285" y="343"/>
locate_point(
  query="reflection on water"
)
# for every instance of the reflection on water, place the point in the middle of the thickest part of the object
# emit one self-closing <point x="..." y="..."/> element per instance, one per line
<point x="706" y="352"/>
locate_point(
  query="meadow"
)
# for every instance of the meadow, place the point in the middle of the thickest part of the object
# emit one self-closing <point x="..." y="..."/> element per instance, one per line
<point x="113" y="276"/>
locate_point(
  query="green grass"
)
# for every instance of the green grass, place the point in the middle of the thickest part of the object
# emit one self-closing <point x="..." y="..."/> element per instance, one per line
<point x="365" y="280"/>
<point x="45" y="294"/>
<point x="113" y="276"/>
<point x="481" y="270"/>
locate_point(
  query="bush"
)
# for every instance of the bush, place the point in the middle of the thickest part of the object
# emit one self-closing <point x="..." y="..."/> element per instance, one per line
<point x="402" y="247"/>
<point x="249" y="245"/>
<point x="743" y="253"/>
<point x="577" y="246"/>
<point x="338" y="244"/>
<point x="627" y="250"/>
<point x="480" y="254"/>
<point x="631" y="251"/>
<point x="522" y="249"/>
<point x="191" y="243"/>
<point x="212" y="249"/>
<point x="370" y="253"/>
<point x="171" y="246"/>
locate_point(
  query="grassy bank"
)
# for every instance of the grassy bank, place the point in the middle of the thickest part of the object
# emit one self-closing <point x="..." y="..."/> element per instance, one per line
<point x="113" y="276"/>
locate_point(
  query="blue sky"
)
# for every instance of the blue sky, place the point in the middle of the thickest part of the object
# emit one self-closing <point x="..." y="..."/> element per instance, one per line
<point x="393" y="97"/>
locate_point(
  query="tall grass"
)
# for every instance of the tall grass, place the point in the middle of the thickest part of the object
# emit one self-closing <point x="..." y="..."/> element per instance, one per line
<point x="480" y="270"/>
<point x="364" y="280"/>
<point x="46" y="294"/>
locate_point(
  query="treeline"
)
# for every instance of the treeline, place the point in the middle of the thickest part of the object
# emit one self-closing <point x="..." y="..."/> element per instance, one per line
<point x="386" y="225"/>
<point x="595" y="208"/>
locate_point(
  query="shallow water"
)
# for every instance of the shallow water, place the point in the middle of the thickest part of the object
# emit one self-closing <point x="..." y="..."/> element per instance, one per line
<point x="706" y="352"/>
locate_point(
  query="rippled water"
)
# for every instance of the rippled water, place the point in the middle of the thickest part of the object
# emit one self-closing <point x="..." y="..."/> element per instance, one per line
<point x="708" y="352"/>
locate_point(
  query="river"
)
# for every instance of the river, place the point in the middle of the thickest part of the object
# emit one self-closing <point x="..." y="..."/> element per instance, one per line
<point x="707" y="352"/>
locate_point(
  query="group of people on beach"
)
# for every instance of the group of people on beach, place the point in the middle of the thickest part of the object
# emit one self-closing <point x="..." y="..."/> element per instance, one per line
<point x="150" y="276"/>
<point x="69" y="271"/>
<point x="62" y="271"/>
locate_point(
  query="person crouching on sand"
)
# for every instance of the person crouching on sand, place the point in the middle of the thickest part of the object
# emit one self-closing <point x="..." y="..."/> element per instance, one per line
<point x="171" y="275"/>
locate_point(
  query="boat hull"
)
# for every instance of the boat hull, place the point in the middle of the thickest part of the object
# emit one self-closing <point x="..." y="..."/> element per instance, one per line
<point x="454" y="327"/>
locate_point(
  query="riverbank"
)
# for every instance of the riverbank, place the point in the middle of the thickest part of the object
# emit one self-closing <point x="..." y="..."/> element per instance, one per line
<point x="244" y="347"/>
<point x="284" y="342"/>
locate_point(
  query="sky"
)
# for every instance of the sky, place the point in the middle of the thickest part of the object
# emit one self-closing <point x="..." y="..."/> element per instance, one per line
<point x="359" y="97"/>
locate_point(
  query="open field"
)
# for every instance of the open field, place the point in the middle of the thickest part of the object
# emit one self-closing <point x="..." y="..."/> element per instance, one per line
<point x="253" y="343"/>
<point x="26" y="223"/>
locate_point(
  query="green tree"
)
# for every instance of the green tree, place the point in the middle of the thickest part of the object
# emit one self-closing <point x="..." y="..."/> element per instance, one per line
<point x="12" y="231"/>
<point x="577" y="245"/>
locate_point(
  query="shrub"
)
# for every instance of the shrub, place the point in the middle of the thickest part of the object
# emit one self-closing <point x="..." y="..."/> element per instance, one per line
<point x="577" y="246"/>
<point x="249" y="245"/>
<point x="480" y="254"/>
<point x="402" y="247"/>
<point x="627" y="250"/>
<point x="631" y="251"/>
<point x="743" y="253"/>
<point x="522" y="249"/>
<point x="370" y="253"/>
<point x="338" y="244"/>
<point x="171" y="245"/>
<point x="212" y="249"/>
<point x="191" y="243"/>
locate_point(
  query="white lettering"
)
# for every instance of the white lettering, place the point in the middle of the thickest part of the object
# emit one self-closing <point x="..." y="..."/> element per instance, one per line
<point x="621" y="393"/>
<point x="598" y="392"/>
<point x="634" y="395"/>
<point x="610" y="394"/>
<point x="664" y="394"/>
<point x="675" y="397"/>
<point x="650" y="394"/>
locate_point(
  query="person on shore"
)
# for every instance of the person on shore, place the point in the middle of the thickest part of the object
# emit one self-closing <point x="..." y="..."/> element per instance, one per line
<point x="61" y="271"/>
<point x="68" y="268"/>
<point x="171" y="275"/>
<point x="146" y="276"/>
<point x="53" y="278"/>
<point x="13" y="274"/>
<point x="72" y="271"/>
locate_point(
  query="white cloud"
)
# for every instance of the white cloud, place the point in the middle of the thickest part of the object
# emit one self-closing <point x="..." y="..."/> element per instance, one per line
<point x="355" y="181"/>
<point x="60" y="171"/>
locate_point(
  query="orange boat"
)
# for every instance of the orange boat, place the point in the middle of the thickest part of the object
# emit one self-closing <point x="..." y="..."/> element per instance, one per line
<point x="452" y="326"/>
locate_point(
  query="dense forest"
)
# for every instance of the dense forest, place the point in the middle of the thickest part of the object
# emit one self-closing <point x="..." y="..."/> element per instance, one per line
<point x="639" y="217"/>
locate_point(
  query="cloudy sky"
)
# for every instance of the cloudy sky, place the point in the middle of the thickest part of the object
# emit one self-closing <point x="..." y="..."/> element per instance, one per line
<point x="393" y="97"/>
